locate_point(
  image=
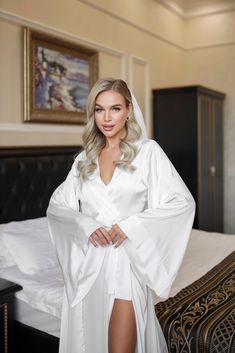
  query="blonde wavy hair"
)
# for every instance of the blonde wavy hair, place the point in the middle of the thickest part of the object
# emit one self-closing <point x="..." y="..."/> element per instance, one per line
<point x="93" y="139"/>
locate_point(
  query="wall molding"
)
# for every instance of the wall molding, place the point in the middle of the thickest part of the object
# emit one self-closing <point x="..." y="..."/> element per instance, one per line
<point x="23" y="21"/>
<point x="145" y="63"/>
<point x="212" y="46"/>
<point x="197" y="10"/>
<point x="37" y="128"/>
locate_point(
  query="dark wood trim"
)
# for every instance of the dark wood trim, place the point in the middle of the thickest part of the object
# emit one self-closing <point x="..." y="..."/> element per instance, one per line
<point x="191" y="89"/>
<point x="37" y="150"/>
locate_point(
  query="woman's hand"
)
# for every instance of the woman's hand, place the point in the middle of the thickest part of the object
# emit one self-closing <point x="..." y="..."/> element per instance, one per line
<point x="100" y="237"/>
<point x="117" y="235"/>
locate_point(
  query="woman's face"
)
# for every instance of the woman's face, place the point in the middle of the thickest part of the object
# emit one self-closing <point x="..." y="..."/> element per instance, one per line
<point x="111" y="113"/>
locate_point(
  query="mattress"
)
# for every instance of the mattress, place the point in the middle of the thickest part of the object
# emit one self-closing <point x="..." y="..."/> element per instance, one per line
<point x="39" y="303"/>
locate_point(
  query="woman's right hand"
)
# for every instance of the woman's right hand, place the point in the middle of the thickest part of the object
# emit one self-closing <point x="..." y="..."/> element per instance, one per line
<point x="100" y="237"/>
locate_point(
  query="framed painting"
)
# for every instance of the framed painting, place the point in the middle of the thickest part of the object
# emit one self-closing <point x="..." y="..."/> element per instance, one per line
<point x="58" y="75"/>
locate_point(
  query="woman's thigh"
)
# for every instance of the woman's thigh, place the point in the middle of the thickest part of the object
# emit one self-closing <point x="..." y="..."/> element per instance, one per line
<point x="122" y="327"/>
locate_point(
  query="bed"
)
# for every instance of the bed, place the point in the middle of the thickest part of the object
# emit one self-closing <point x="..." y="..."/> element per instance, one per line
<point x="27" y="178"/>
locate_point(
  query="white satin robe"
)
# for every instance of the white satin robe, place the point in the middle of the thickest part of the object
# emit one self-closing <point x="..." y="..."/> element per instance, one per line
<point x="155" y="210"/>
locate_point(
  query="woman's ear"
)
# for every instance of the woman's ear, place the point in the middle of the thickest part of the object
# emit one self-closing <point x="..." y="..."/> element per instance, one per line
<point x="129" y="109"/>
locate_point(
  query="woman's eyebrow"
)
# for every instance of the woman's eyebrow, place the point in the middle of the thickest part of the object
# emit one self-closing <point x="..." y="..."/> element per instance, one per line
<point x="114" y="105"/>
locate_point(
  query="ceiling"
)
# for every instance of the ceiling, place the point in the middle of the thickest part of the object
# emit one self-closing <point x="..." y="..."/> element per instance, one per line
<point x="191" y="8"/>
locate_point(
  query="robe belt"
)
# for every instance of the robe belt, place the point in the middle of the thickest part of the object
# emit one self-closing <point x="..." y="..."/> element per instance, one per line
<point x="118" y="273"/>
<point x="111" y="269"/>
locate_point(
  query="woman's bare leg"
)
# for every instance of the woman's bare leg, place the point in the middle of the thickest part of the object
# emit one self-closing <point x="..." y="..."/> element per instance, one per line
<point x="122" y="327"/>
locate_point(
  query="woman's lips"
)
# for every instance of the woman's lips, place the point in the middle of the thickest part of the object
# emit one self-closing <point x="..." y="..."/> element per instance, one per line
<point x="108" y="127"/>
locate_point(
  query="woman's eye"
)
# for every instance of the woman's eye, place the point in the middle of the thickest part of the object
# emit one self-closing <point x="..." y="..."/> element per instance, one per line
<point x="116" y="109"/>
<point x="98" y="110"/>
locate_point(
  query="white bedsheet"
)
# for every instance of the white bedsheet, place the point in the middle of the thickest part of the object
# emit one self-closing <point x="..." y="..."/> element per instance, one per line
<point x="44" y="291"/>
<point x="204" y="251"/>
<point x="37" y="318"/>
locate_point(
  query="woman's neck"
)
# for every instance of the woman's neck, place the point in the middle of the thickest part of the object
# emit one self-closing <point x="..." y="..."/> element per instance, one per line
<point x="112" y="143"/>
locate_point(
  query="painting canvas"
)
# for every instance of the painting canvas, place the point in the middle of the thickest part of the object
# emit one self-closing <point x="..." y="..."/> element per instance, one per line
<point x="58" y="77"/>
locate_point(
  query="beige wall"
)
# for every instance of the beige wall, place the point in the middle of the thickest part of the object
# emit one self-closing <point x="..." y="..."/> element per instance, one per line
<point x="216" y="29"/>
<point x="148" y="46"/>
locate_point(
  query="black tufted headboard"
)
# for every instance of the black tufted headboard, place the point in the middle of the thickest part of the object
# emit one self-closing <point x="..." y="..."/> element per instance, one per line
<point x="28" y="176"/>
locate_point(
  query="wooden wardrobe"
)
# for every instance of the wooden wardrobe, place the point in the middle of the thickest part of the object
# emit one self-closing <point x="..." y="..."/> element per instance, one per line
<point x="188" y="125"/>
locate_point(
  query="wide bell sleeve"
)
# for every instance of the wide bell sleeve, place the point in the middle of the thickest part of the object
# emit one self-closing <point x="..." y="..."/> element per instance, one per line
<point x="69" y="230"/>
<point x="157" y="237"/>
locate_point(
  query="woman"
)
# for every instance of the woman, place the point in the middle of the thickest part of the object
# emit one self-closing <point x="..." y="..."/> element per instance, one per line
<point x="120" y="224"/>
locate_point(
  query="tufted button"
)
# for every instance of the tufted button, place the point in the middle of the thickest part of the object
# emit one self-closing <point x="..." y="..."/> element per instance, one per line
<point x="32" y="186"/>
<point x="40" y="205"/>
<point x="39" y="166"/>
<point x="48" y="184"/>
<point x="13" y="189"/>
<point x="23" y="208"/>
<point x="2" y="168"/>
<point x="21" y="166"/>
<point x="54" y="165"/>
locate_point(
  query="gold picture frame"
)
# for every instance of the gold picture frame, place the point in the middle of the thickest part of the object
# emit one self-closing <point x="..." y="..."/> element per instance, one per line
<point x="58" y="75"/>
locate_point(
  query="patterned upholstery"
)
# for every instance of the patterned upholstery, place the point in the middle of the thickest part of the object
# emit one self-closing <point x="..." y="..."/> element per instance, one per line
<point x="201" y="317"/>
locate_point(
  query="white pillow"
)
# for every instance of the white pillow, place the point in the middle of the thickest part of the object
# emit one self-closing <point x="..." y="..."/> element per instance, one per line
<point x="6" y="260"/>
<point x="30" y="245"/>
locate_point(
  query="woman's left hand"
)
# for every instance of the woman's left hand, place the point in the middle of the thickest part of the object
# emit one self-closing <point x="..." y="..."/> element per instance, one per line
<point x="117" y="235"/>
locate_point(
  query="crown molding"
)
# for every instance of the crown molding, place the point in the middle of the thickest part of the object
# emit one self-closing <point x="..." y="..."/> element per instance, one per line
<point x="184" y="10"/>
<point x="173" y="6"/>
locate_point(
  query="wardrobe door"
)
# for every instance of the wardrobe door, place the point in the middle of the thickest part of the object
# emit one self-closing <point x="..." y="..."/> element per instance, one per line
<point x="217" y="177"/>
<point x="204" y="201"/>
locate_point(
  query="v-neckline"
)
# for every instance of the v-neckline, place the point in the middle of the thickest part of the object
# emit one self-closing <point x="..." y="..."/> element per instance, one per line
<point x="113" y="175"/>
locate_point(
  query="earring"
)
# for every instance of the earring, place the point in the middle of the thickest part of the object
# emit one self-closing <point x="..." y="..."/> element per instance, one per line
<point x="128" y="118"/>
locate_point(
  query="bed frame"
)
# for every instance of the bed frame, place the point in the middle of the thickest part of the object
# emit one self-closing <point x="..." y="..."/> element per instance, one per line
<point x="28" y="176"/>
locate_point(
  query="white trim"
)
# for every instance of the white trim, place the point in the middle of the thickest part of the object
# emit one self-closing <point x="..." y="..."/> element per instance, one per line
<point x="46" y="128"/>
<point x="210" y="46"/>
<point x="23" y="21"/>
<point x="173" y="7"/>
<point x="147" y="112"/>
<point x="124" y="67"/>
<point x="197" y="10"/>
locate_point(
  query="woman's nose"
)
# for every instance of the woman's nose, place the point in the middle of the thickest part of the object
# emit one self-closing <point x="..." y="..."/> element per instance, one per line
<point x="107" y="116"/>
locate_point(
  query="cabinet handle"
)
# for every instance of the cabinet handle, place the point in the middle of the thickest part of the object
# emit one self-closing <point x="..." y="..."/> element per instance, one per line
<point x="212" y="170"/>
